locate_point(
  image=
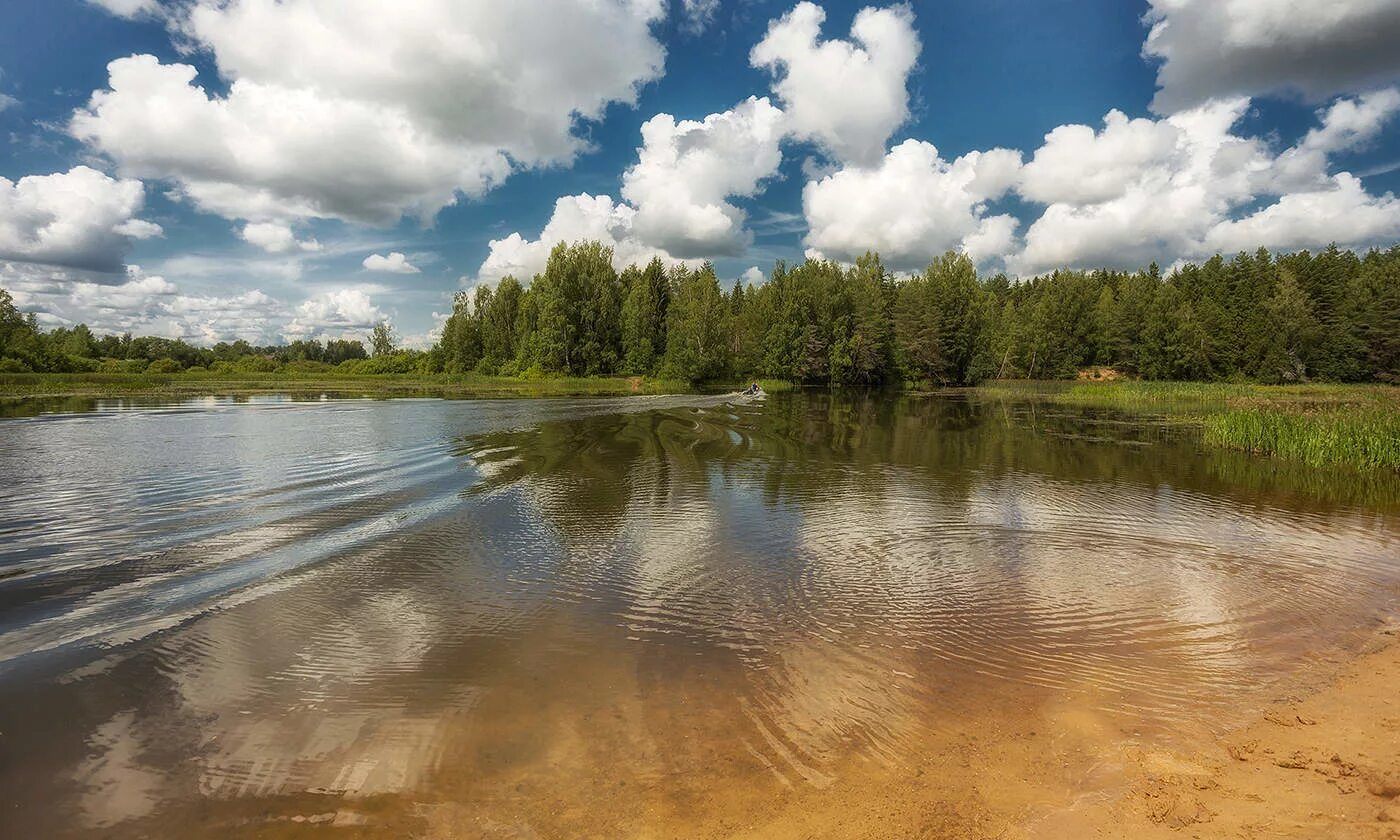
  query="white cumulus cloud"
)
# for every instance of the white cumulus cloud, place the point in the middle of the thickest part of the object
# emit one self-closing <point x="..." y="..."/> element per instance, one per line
<point x="848" y="95"/>
<point x="143" y="304"/>
<point x="1315" y="48"/>
<point x="1343" y="213"/>
<point x="674" y="197"/>
<point x="149" y="304"/>
<point x="913" y="206"/>
<point x="272" y="153"/>
<point x="1141" y="190"/>
<point x="686" y="170"/>
<point x="394" y="263"/>
<point x="276" y="238"/>
<point x="575" y="217"/>
<point x="80" y="218"/>
<point x="366" y="111"/>
<point x="334" y="314"/>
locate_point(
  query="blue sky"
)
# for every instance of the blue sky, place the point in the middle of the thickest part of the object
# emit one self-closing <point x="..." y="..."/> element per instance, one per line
<point x="323" y="165"/>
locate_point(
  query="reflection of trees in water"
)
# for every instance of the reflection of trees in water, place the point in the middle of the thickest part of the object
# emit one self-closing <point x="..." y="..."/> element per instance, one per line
<point x="584" y="473"/>
<point x="748" y="526"/>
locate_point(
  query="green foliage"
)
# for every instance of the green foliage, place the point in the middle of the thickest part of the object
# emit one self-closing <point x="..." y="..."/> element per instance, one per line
<point x="382" y="339"/>
<point x="644" y="316"/>
<point x="247" y="364"/>
<point x="499" y="316"/>
<point x="302" y="366"/>
<point x="1364" y="439"/>
<point x="393" y="363"/>
<point x="1354" y="426"/>
<point x="1296" y="318"/>
<point x="126" y="365"/>
<point x="1331" y="316"/>
<point x="940" y="318"/>
<point x="166" y="365"/>
<point x="697" y="335"/>
<point x="461" y="334"/>
<point x="574" y="326"/>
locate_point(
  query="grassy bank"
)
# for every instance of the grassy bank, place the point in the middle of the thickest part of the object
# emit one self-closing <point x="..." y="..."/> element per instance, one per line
<point x="466" y="386"/>
<point x="1319" y="425"/>
<point x="176" y="385"/>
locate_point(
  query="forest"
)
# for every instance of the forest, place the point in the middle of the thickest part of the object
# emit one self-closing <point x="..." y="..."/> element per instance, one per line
<point x="1329" y="316"/>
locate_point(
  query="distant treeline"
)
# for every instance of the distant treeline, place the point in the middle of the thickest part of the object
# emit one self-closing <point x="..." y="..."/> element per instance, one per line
<point x="1332" y="316"/>
<point x="24" y="347"/>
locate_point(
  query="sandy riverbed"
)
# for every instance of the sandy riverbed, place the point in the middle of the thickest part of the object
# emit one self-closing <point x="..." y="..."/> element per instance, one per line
<point x="1322" y="765"/>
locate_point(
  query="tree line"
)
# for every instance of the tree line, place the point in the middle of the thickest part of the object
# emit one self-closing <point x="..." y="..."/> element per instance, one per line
<point x="1333" y="315"/>
<point x="25" y="347"/>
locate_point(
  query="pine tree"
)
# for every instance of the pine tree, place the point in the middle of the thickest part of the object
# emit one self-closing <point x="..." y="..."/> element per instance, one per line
<point x="1294" y="335"/>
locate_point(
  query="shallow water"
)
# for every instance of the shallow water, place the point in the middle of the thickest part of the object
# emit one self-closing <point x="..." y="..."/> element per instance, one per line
<point x="638" y="616"/>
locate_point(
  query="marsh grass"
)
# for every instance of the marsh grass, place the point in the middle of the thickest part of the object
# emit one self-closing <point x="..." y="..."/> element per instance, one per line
<point x="1315" y="424"/>
<point x="1364" y="438"/>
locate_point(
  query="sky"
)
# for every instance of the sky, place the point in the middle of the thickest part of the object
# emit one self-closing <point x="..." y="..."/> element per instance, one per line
<point x="282" y="169"/>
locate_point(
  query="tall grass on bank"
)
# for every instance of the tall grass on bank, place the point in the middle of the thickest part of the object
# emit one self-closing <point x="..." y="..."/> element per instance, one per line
<point x="1366" y="439"/>
<point x="1156" y="397"/>
<point x="1314" y="424"/>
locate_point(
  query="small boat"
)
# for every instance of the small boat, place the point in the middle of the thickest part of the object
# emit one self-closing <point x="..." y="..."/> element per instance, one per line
<point x="752" y="392"/>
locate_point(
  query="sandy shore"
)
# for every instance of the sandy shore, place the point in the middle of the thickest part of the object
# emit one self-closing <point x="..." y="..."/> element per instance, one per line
<point x="1326" y="765"/>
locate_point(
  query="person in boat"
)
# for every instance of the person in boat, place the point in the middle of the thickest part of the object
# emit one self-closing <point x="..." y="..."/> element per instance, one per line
<point x="752" y="390"/>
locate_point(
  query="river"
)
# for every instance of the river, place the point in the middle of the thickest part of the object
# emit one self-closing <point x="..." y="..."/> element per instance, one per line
<point x="653" y="616"/>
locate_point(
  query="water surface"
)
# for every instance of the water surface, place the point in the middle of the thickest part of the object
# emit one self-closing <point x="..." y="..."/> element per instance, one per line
<point x="640" y="616"/>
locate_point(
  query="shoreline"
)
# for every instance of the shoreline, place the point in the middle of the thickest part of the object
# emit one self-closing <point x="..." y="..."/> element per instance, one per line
<point x="1317" y="764"/>
<point x="16" y="388"/>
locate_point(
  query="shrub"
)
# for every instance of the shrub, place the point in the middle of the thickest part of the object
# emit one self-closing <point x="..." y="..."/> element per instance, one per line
<point x="256" y="364"/>
<point x="9" y="365"/>
<point x="488" y="366"/>
<point x="393" y="363"/>
<point x="82" y="364"/>
<point x="304" y="366"/>
<point x="165" y="365"/>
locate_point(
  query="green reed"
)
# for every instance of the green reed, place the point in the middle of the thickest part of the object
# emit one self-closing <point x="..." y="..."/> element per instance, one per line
<point x="1315" y="424"/>
<point x="1363" y="438"/>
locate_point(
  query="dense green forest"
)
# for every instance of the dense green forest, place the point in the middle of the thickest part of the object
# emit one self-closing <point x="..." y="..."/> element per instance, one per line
<point x="1327" y="316"/>
<point x="1331" y="316"/>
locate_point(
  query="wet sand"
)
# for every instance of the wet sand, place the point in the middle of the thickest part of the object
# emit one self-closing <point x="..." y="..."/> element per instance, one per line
<point x="1322" y="763"/>
<point x="1319" y="765"/>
